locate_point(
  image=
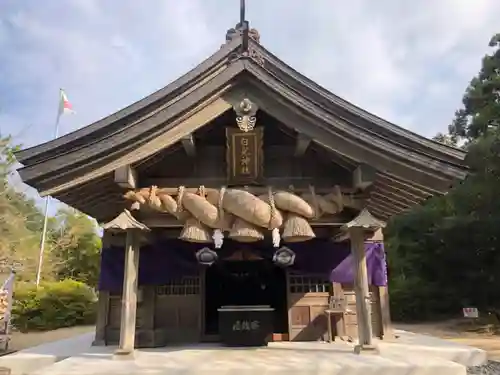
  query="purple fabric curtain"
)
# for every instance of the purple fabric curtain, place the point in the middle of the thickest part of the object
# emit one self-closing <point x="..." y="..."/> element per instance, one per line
<point x="375" y="262"/>
<point x="168" y="260"/>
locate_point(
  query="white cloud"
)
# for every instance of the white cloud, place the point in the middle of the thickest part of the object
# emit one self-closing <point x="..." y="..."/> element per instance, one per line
<point x="406" y="61"/>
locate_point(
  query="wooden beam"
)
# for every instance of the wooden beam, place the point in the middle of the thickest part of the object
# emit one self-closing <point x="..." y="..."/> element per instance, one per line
<point x="380" y="214"/>
<point x="159" y="220"/>
<point x="103" y="199"/>
<point x="105" y="181"/>
<point x="301" y="145"/>
<point x="391" y="211"/>
<point x="126" y="177"/>
<point x="395" y="202"/>
<point x="387" y="179"/>
<point x="363" y="177"/>
<point x="300" y="184"/>
<point x="383" y="203"/>
<point x="341" y="236"/>
<point x="144" y="164"/>
<point x="189" y="145"/>
<point x="399" y="195"/>
<point x="85" y="196"/>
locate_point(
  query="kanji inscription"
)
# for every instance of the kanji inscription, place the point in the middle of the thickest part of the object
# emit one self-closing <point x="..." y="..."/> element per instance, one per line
<point x="244" y="151"/>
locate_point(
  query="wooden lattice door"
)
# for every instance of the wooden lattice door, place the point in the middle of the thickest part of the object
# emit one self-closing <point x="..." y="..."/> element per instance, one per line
<point x="178" y="310"/>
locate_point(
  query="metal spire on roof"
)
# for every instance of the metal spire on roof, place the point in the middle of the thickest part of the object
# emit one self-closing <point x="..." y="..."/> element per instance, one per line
<point x="242" y="11"/>
<point x="244" y="27"/>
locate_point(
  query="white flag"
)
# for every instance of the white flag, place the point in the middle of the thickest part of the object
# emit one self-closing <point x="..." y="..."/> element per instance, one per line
<point x="65" y="106"/>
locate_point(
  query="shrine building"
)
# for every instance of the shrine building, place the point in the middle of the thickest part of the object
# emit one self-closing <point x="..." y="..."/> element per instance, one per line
<point x="242" y="187"/>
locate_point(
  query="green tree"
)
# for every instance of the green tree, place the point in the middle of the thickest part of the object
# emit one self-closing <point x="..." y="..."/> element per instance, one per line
<point x="447" y="139"/>
<point x="446" y="254"/>
<point x="72" y="248"/>
<point x="20" y="219"/>
<point x="481" y="112"/>
<point x="75" y="247"/>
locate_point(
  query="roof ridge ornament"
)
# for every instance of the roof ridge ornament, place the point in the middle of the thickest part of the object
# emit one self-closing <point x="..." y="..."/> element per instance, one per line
<point x="243" y="29"/>
<point x="245" y="115"/>
<point x="235" y="32"/>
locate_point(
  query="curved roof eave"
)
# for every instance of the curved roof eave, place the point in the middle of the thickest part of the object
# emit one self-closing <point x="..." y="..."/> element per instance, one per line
<point x="311" y="86"/>
<point x="436" y="162"/>
<point x="337" y="131"/>
<point x="308" y="86"/>
<point x="137" y="133"/>
<point x="418" y="161"/>
<point x="27" y="155"/>
<point x="427" y="161"/>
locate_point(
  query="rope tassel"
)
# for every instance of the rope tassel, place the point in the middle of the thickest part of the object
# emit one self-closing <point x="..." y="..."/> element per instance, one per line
<point x="245" y="215"/>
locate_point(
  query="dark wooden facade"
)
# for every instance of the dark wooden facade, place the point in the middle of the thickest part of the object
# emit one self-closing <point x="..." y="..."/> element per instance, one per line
<point x="177" y="136"/>
<point x="174" y="313"/>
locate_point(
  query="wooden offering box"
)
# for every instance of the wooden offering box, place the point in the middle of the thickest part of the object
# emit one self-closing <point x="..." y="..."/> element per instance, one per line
<point x="245" y="325"/>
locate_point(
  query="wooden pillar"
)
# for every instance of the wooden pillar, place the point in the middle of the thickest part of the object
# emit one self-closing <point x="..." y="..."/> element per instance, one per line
<point x="383" y="299"/>
<point x="385" y="313"/>
<point x="102" y="318"/>
<point x="363" y="307"/>
<point x="129" y="296"/>
<point x="125" y="222"/>
<point x="357" y="229"/>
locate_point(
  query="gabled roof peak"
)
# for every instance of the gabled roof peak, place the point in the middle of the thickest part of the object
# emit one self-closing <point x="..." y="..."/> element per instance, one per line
<point x="243" y="30"/>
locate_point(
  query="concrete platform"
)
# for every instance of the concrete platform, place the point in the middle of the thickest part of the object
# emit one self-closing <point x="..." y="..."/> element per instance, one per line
<point x="41" y="356"/>
<point x="429" y="345"/>
<point x="409" y="354"/>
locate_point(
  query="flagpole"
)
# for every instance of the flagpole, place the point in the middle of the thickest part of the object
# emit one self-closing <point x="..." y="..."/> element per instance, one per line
<point x="47" y="205"/>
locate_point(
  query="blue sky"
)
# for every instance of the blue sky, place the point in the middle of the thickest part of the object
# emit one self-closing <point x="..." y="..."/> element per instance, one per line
<point x="408" y="62"/>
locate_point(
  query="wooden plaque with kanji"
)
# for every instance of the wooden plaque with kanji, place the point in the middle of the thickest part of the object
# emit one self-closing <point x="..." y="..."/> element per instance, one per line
<point x="244" y="156"/>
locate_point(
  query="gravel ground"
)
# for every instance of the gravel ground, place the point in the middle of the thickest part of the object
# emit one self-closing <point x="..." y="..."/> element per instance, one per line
<point x="491" y="368"/>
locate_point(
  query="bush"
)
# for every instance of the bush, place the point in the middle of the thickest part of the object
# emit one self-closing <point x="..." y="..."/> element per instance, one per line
<point x="53" y="305"/>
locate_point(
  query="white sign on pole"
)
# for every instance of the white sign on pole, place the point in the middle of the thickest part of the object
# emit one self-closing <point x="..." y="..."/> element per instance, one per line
<point x="470" y="312"/>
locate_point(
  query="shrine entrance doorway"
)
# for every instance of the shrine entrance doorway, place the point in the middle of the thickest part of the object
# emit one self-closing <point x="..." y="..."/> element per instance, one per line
<point x="244" y="283"/>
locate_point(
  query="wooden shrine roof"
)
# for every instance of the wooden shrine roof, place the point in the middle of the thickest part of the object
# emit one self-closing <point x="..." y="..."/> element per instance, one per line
<point x="79" y="165"/>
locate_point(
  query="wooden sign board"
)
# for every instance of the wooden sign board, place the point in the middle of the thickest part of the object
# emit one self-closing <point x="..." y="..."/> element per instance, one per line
<point x="244" y="156"/>
<point x="470" y="312"/>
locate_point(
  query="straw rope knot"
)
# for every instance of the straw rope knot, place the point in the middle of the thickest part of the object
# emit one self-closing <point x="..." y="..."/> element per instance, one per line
<point x="180" y="195"/>
<point x="220" y="208"/>
<point x="315" y="203"/>
<point x="273" y="207"/>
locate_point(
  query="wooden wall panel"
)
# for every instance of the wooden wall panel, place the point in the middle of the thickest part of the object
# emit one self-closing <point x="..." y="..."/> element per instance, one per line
<point x="308" y="298"/>
<point x="144" y="332"/>
<point x="165" y="314"/>
<point x="114" y="314"/>
<point x="178" y="311"/>
<point x="351" y="315"/>
<point x="279" y="164"/>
